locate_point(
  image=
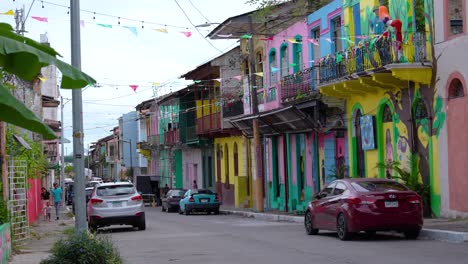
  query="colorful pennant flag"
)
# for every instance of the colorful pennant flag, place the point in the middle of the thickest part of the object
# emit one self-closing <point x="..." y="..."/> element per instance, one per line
<point x="104" y="25"/>
<point x="43" y="79"/>
<point x="246" y="36"/>
<point x="269" y="38"/>
<point x="329" y="40"/>
<point x="293" y="40"/>
<point x="361" y="37"/>
<point x="237" y="77"/>
<point x="274" y="69"/>
<point x="8" y="13"/>
<point x="313" y="41"/>
<point x="224" y="36"/>
<point x="260" y="74"/>
<point x="163" y="30"/>
<point x="348" y="40"/>
<point x="82" y="23"/>
<point x="292" y="65"/>
<point x="41" y="19"/>
<point x="134" y="87"/>
<point x="132" y="29"/>
<point x="155" y="84"/>
<point x="187" y="33"/>
<point x="197" y="81"/>
<point x="217" y="79"/>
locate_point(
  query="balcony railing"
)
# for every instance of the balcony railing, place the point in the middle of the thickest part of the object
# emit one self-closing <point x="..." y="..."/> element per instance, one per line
<point x="208" y="123"/>
<point x="374" y="54"/>
<point x="297" y="85"/>
<point x="233" y="108"/>
<point x="171" y="137"/>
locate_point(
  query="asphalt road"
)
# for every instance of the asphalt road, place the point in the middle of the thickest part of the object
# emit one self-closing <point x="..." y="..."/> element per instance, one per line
<point x="173" y="238"/>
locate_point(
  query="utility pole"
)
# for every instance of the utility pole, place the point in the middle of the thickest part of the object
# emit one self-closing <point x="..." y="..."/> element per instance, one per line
<point x="62" y="156"/>
<point x="131" y="162"/>
<point x="258" y="176"/>
<point x="78" y="151"/>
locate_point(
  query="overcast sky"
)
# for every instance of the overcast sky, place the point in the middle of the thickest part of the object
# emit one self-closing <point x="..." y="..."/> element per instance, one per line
<point x="129" y="53"/>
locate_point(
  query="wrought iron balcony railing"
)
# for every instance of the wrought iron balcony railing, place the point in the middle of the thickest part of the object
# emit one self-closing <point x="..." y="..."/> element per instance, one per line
<point x="374" y="54"/>
<point x="298" y="85"/>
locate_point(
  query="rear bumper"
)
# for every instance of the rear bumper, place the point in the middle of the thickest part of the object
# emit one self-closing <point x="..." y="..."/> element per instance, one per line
<point x="117" y="220"/>
<point x="173" y="205"/>
<point x="202" y="206"/>
<point x="370" y="221"/>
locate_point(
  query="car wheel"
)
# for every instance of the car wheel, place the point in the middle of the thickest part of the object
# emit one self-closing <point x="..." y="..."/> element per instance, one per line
<point x="168" y="209"/>
<point x="412" y="234"/>
<point x="142" y="223"/>
<point x="309" y="226"/>
<point x="92" y="226"/>
<point x="342" y="228"/>
<point x="216" y="211"/>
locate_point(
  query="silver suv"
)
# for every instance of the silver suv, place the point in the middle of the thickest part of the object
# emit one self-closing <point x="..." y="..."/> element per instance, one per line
<point x="115" y="203"/>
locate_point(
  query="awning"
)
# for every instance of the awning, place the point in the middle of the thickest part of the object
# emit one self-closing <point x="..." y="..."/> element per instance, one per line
<point x="284" y="120"/>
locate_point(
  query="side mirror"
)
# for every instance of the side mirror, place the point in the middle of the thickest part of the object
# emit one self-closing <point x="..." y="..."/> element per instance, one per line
<point x="320" y="195"/>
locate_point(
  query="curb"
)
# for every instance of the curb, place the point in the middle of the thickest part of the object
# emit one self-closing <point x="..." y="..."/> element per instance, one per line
<point x="431" y="234"/>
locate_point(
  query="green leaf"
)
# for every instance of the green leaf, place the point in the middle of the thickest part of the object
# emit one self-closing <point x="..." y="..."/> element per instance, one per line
<point x="25" y="57"/>
<point x="15" y="112"/>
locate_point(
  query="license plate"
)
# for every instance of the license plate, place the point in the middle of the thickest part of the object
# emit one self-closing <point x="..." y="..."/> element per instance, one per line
<point x="391" y="204"/>
<point x="117" y="204"/>
<point x="204" y="200"/>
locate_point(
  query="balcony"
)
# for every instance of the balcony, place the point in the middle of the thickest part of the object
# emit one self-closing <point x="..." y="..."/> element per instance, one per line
<point x="298" y="86"/>
<point x="376" y="64"/>
<point x="171" y="137"/>
<point x="233" y="108"/>
<point x="208" y="124"/>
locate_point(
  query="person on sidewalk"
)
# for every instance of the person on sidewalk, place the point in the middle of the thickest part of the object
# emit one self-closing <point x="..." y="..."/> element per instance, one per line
<point x="57" y="193"/>
<point x="194" y="185"/>
<point x="48" y="211"/>
<point x="45" y="197"/>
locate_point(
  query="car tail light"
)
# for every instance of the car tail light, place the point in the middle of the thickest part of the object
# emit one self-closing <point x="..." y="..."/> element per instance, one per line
<point x="137" y="198"/>
<point x="216" y="198"/>
<point x="139" y="214"/>
<point x="414" y="200"/>
<point x="362" y="200"/>
<point x="96" y="201"/>
<point x="191" y="200"/>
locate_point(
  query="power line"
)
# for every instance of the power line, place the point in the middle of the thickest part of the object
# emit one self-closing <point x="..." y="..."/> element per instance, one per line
<point x="207" y="20"/>
<point x="183" y="11"/>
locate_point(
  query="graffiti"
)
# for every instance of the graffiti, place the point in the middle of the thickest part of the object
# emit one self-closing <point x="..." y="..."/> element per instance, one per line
<point x="367" y="131"/>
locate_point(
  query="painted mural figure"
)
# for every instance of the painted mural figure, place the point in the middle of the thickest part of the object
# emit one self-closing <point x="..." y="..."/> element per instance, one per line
<point x="388" y="152"/>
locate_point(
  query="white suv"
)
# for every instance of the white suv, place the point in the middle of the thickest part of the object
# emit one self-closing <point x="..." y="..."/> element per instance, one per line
<point x="116" y="203"/>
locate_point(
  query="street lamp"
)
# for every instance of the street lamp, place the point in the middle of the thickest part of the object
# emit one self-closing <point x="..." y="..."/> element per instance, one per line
<point x="131" y="158"/>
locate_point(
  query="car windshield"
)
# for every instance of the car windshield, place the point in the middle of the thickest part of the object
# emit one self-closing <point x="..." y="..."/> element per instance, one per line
<point x="177" y="193"/>
<point x="111" y="190"/>
<point x="202" y="191"/>
<point x="378" y="186"/>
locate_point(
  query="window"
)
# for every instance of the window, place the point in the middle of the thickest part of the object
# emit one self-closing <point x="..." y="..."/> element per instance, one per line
<point x="455" y="17"/>
<point x="456" y="89"/>
<point x="297" y="54"/>
<point x="339" y="188"/>
<point x="259" y="68"/>
<point x="111" y="190"/>
<point x="236" y="160"/>
<point x="328" y="190"/>
<point x="378" y="186"/>
<point x="316" y="34"/>
<point x="284" y="60"/>
<point x="226" y="163"/>
<point x="387" y="114"/>
<point x="337" y="34"/>
<point x="273" y="67"/>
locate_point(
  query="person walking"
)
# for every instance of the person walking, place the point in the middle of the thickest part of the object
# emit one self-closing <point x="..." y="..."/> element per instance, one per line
<point x="45" y="197"/>
<point x="195" y="185"/>
<point x="57" y="193"/>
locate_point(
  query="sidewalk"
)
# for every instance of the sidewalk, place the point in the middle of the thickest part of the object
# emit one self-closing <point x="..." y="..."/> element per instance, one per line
<point x="449" y="230"/>
<point x="42" y="236"/>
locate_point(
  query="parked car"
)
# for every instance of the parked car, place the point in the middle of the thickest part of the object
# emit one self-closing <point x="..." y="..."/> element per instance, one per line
<point x="89" y="187"/>
<point x="171" y="200"/>
<point x="69" y="193"/>
<point x="349" y="206"/>
<point x="116" y="203"/>
<point x="200" y="200"/>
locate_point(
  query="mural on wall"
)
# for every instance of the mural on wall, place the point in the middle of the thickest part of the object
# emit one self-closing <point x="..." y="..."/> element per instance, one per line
<point x="388" y="152"/>
<point x="367" y="132"/>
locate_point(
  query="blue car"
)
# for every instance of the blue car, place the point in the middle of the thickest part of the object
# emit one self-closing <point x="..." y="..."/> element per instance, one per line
<point x="199" y="200"/>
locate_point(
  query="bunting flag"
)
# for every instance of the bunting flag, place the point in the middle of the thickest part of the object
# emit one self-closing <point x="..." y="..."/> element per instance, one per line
<point x="104" y="25"/>
<point x="155" y="84"/>
<point x="293" y="40"/>
<point x="237" y="77"/>
<point x="224" y="36"/>
<point x="8" y="13"/>
<point x="292" y="65"/>
<point x="163" y="30"/>
<point x="134" y="87"/>
<point x="314" y="41"/>
<point x="43" y="79"/>
<point x="187" y="33"/>
<point x="274" y="69"/>
<point x="361" y="37"/>
<point x="246" y="36"/>
<point x="132" y="29"/>
<point x="269" y="38"/>
<point x="328" y="39"/>
<point x="82" y="23"/>
<point x="197" y="81"/>
<point x="217" y="79"/>
<point x="348" y="40"/>
<point x="41" y="19"/>
<point x="260" y="74"/>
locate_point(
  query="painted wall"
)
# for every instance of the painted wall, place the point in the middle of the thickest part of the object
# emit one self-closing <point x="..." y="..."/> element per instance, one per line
<point x="192" y="167"/>
<point x="285" y="38"/>
<point x="34" y="200"/>
<point x="235" y="188"/>
<point x="452" y="139"/>
<point x="5" y="243"/>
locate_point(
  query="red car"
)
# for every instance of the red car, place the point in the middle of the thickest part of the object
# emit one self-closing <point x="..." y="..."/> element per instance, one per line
<point x="361" y="204"/>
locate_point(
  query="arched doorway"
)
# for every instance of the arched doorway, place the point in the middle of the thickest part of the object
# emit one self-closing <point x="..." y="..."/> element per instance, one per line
<point x="219" y="156"/>
<point x="359" y="152"/>
<point x="387" y="140"/>
<point x="457" y="127"/>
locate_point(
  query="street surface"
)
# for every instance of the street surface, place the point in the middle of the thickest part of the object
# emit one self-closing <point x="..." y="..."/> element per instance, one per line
<point x="218" y="239"/>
